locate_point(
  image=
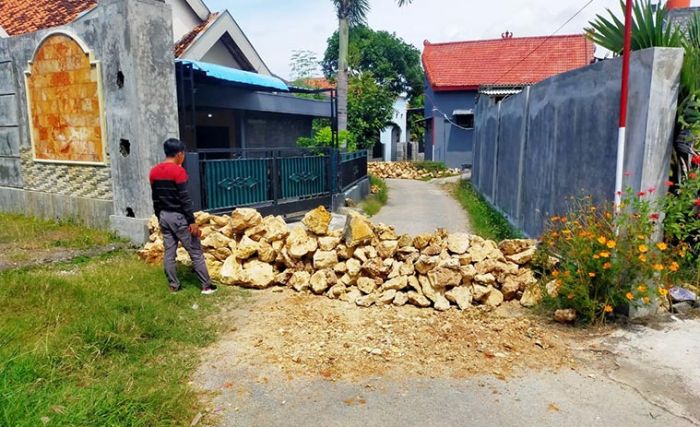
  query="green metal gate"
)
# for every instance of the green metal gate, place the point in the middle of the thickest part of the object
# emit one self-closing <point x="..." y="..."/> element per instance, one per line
<point x="238" y="182"/>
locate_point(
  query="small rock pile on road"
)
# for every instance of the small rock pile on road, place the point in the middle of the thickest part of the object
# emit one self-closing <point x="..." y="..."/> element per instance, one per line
<point x="406" y="170"/>
<point x="365" y="264"/>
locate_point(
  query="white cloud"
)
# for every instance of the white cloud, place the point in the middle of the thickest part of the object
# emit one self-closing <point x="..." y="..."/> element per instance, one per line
<point x="277" y="27"/>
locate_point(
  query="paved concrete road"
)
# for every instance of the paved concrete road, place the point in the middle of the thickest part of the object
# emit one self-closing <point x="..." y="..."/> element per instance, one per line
<point x="544" y="399"/>
<point x="420" y="207"/>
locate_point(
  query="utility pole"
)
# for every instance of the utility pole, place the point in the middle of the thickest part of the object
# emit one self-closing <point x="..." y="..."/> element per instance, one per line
<point x="624" y="94"/>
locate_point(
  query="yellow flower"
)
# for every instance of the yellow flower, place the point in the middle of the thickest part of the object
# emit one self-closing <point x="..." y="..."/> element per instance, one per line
<point x="646" y="300"/>
<point x="612" y="244"/>
<point x="602" y="240"/>
<point x="629" y="296"/>
<point x="608" y="308"/>
<point x="643" y="249"/>
<point x="596" y="256"/>
<point x="642" y="288"/>
<point x="643" y="258"/>
<point x="663" y="292"/>
<point x="640" y="237"/>
<point x="662" y="246"/>
<point x="567" y="232"/>
<point x="591" y="274"/>
<point x="658" y="267"/>
<point x="605" y="254"/>
<point x="554" y="219"/>
<point x="674" y="266"/>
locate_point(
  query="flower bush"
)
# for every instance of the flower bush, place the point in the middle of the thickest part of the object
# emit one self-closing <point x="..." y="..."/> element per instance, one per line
<point x="682" y="221"/>
<point x="596" y="261"/>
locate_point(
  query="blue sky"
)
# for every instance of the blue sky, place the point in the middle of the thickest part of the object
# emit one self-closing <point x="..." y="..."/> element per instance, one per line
<point x="278" y="27"/>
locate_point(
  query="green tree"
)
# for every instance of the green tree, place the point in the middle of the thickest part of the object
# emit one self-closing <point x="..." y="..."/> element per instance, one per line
<point x="393" y="62"/>
<point x="303" y="64"/>
<point x="370" y="107"/>
<point x="350" y="13"/>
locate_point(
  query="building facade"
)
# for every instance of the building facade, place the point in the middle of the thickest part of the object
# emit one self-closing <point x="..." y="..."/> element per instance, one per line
<point x="457" y="73"/>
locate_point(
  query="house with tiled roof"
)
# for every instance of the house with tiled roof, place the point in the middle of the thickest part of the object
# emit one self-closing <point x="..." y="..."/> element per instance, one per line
<point x="90" y="89"/>
<point x="198" y="33"/>
<point x="456" y="73"/>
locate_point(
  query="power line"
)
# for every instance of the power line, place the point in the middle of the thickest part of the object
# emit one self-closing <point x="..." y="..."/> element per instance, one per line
<point x="578" y="12"/>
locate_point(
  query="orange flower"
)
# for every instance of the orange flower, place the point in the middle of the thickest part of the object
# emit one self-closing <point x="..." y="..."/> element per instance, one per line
<point x="643" y="249"/>
<point x="554" y="219"/>
<point x="629" y="296"/>
<point x="663" y="292"/>
<point x="658" y="267"/>
<point x="596" y="256"/>
<point x="643" y="258"/>
<point x="612" y="244"/>
<point x="662" y="246"/>
<point x="674" y="266"/>
<point x="642" y="288"/>
<point x="607" y="266"/>
<point x="605" y="254"/>
<point x="555" y="273"/>
<point x="646" y="300"/>
<point x="602" y="240"/>
<point x="608" y="308"/>
<point x="563" y="220"/>
<point x="591" y="274"/>
<point x="570" y="296"/>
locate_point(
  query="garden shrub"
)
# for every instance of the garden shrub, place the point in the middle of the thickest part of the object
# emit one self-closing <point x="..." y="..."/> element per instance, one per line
<point x="323" y="137"/>
<point x="682" y="222"/>
<point x="606" y="261"/>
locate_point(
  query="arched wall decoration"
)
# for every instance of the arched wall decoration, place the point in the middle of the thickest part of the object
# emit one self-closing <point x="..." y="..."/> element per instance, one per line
<point x="64" y="100"/>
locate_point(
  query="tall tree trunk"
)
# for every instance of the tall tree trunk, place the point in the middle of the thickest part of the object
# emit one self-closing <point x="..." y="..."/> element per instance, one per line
<point x="342" y="78"/>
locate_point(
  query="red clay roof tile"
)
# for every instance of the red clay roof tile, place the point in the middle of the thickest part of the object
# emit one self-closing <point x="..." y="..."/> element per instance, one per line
<point x="189" y="38"/>
<point x="503" y="62"/>
<point x="25" y="16"/>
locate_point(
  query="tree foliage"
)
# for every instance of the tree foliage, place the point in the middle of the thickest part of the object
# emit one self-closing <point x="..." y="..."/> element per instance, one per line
<point x="393" y="62"/>
<point x="370" y="107"/>
<point x="303" y="64"/>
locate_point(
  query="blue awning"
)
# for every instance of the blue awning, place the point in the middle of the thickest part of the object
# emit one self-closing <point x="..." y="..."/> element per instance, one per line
<point x="238" y="77"/>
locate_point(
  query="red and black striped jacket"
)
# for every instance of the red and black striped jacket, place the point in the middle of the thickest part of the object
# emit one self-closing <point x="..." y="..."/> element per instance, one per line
<point x="169" y="190"/>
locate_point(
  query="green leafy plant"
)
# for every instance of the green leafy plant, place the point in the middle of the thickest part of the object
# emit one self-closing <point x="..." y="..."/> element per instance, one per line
<point x="649" y="29"/>
<point x="596" y="261"/>
<point x="323" y="138"/>
<point x="682" y="222"/>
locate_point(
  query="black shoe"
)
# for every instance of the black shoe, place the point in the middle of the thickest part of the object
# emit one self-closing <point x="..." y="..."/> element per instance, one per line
<point x="209" y="290"/>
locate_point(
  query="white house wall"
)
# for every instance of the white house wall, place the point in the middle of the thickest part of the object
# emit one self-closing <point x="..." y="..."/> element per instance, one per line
<point x="184" y="18"/>
<point x="219" y="54"/>
<point x="399" y="118"/>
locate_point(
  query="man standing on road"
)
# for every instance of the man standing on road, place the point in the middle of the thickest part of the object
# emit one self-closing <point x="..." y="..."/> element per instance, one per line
<point x="173" y="207"/>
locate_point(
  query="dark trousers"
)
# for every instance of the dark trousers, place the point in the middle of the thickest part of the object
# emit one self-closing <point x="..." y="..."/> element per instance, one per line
<point x="175" y="229"/>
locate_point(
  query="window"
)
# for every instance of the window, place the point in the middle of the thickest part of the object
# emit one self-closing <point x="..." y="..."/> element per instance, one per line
<point x="464" y="120"/>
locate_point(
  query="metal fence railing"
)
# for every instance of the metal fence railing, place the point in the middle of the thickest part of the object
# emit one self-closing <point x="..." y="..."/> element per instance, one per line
<point x="279" y="181"/>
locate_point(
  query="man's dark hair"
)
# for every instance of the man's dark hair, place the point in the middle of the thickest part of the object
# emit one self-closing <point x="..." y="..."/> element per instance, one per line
<point x="173" y="146"/>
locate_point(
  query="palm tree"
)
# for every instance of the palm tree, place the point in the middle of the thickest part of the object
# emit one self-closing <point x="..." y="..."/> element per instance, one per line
<point x="350" y="12"/>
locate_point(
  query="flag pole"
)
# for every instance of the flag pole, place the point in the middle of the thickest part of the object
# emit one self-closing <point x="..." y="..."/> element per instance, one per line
<point x="624" y="92"/>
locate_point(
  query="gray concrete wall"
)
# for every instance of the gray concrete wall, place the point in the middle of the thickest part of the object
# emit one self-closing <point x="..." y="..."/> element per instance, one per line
<point x="267" y="130"/>
<point x="568" y="143"/>
<point x="132" y="37"/>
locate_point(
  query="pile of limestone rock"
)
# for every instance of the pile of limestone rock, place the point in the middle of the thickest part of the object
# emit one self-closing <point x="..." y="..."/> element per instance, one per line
<point x="406" y="170"/>
<point x="365" y="264"/>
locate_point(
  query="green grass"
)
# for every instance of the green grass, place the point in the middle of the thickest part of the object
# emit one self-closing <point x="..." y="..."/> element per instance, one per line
<point x="429" y="166"/>
<point x="34" y="233"/>
<point x="374" y="202"/>
<point x="486" y="221"/>
<point x="99" y="342"/>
